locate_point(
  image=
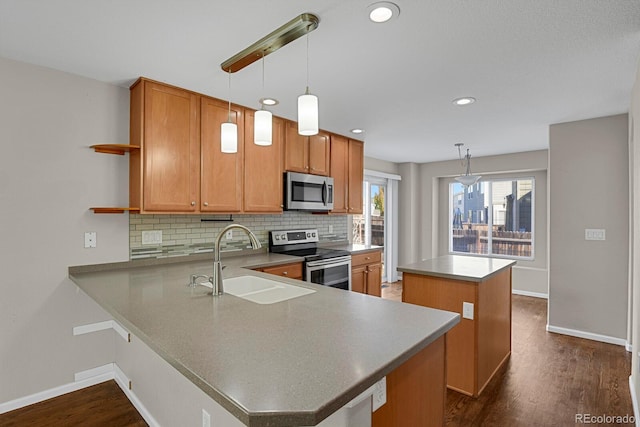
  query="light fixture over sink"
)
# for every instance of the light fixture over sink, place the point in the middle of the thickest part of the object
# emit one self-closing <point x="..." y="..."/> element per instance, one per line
<point x="229" y="131"/>
<point x="263" y="122"/>
<point x="307" y="108"/>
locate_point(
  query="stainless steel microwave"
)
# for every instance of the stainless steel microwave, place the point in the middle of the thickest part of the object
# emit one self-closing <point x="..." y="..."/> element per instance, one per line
<point x="304" y="192"/>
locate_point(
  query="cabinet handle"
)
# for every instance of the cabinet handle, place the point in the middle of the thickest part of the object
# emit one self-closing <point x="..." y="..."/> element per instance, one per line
<point x="193" y="203"/>
<point x="367" y="258"/>
<point x="282" y="206"/>
<point x="206" y="203"/>
<point x="284" y="273"/>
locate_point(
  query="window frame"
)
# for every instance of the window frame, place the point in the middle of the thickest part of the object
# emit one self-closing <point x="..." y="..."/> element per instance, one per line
<point x="489" y="182"/>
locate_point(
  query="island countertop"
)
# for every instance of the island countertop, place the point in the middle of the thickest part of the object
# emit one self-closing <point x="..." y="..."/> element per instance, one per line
<point x="460" y="267"/>
<point x="290" y="363"/>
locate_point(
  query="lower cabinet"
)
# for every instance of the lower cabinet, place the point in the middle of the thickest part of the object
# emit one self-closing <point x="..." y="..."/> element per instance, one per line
<point x="366" y="272"/>
<point x="292" y="271"/>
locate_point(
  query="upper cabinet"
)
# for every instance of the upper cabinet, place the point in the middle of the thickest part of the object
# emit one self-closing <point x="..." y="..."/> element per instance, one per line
<point x="164" y="173"/>
<point x="347" y="170"/>
<point x="221" y="174"/>
<point x="263" y="169"/>
<point x="306" y="154"/>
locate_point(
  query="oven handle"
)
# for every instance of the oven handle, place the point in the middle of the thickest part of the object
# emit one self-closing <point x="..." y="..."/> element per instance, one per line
<point x="332" y="262"/>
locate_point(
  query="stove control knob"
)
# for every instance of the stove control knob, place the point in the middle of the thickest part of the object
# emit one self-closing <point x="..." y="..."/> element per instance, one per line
<point x="277" y="237"/>
<point x="283" y="236"/>
<point x="308" y="235"/>
<point x="314" y="234"/>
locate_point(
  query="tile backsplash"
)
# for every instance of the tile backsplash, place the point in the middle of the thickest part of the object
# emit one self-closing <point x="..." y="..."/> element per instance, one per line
<point x="185" y="234"/>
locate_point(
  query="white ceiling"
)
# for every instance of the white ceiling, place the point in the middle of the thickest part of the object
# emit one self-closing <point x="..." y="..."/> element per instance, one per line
<point x="529" y="63"/>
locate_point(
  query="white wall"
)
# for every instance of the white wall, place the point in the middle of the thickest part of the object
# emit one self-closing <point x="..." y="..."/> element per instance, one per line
<point x="380" y="165"/>
<point x="48" y="180"/>
<point x="589" y="188"/>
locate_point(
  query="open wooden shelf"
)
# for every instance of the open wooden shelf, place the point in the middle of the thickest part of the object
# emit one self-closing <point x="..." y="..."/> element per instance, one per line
<point x="114" y="148"/>
<point x="113" y="210"/>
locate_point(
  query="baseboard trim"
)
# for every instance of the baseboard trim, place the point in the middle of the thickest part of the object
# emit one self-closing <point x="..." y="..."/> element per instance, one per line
<point x="85" y="379"/>
<point x="101" y="326"/>
<point x="587" y="335"/>
<point x="530" y="294"/>
<point x="629" y="347"/>
<point x="634" y="401"/>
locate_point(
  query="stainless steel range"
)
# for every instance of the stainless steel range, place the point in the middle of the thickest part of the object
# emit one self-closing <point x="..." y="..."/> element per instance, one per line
<point x="328" y="267"/>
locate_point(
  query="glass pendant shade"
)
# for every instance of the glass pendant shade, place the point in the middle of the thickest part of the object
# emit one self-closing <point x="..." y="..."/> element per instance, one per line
<point x="229" y="137"/>
<point x="307" y="114"/>
<point x="468" y="179"/>
<point x="262" y="128"/>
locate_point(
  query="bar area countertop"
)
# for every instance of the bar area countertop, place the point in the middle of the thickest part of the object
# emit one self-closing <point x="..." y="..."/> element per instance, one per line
<point x="470" y="268"/>
<point x="309" y="354"/>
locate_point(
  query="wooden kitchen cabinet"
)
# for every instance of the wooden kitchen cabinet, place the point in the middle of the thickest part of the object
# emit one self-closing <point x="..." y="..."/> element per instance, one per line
<point x="164" y="172"/>
<point x="347" y="171"/>
<point x="263" y="169"/>
<point x="366" y="272"/>
<point x="292" y="271"/>
<point x="306" y="154"/>
<point x="221" y="188"/>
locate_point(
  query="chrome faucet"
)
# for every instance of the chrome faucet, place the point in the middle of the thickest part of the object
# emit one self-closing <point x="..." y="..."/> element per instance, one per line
<point x="216" y="279"/>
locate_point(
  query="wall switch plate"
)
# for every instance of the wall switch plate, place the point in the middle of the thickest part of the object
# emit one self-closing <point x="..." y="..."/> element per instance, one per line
<point x="90" y="239"/>
<point x="594" y="234"/>
<point x="229" y="235"/>
<point x="379" y="397"/>
<point x="206" y="419"/>
<point x="152" y="237"/>
<point x="467" y="310"/>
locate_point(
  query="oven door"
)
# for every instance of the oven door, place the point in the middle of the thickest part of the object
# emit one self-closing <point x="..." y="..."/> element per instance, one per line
<point x="333" y="272"/>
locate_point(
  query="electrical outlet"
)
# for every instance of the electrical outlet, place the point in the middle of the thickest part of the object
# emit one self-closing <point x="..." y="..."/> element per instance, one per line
<point x="206" y="419"/>
<point x="379" y="394"/>
<point x="594" y="234"/>
<point x="152" y="237"/>
<point x="90" y="239"/>
<point x="229" y="235"/>
<point x="330" y="229"/>
<point x="467" y="310"/>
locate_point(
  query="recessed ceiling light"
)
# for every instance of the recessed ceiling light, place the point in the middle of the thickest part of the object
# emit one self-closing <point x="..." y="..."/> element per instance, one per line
<point x="383" y="11"/>
<point x="464" y="101"/>
<point x="357" y="130"/>
<point x="268" y="101"/>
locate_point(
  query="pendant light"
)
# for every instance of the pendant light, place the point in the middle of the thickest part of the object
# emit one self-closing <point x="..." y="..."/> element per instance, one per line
<point x="262" y="125"/>
<point x="307" y="108"/>
<point x="229" y="130"/>
<point x="466" y="179"/>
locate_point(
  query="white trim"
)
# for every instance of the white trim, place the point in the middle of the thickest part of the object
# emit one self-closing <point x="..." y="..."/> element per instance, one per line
<point x="101" y="326"/>
<point x="628" y="347"/>
<point x="530" y="294"/>
<point x="123" y="381"/>
<point x="83" y="379"/>
<point x="634" y="401"/>
<point x="378" y="174"/>
<point x="586" y="335"/>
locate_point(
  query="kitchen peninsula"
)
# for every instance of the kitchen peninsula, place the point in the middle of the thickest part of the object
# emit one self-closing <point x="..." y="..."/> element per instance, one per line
<point x="478" y="288"/>
<point x="292" y="363"/>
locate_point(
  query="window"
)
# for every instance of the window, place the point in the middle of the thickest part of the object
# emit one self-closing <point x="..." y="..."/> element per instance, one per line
<point x="492" y="218"/>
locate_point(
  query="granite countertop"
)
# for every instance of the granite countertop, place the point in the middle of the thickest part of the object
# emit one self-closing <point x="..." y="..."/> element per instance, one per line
<point x="469" y="268"/>
<point x="353" y="248"/>
<point x="310" y="355"/>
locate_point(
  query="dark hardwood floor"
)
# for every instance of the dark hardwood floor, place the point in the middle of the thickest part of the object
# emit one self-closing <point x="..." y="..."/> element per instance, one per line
<point x="103" y="405"/>
<point x="548" y="380"/>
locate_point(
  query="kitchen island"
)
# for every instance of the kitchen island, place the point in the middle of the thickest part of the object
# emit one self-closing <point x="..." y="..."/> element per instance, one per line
<point x="478" y="288"/>
<point x="292" y="363"/>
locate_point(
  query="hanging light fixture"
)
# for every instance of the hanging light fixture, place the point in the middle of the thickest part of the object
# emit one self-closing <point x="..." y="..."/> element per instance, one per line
<point x="466" y="179"/>
<point x="229" y="131"/>
<point x="307" y="108"/>
<point x="262" y="124"/>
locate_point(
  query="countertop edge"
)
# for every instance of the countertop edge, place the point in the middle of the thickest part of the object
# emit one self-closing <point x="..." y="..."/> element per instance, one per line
<point x="424" y="272"/>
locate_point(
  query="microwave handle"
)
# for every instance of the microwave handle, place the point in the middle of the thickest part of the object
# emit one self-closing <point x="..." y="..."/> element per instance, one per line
<point x="325" y="193"/>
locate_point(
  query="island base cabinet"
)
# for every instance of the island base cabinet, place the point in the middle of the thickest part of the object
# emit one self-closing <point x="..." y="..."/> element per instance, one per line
<point x="416" y="390"/>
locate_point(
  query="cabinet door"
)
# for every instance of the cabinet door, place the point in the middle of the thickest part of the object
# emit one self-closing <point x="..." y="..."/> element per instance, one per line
<point x="339" y="172"/>
<point x="263" y="169"/>
<point x="220" y="173"/>
<point x="374" y="279"/>
<point x="359" y="279"/>
<point x="356" y="176"/>
<point x="319" y="154"/>
<point x="296" y="157"/>
<point x="171" y="149"/>
<point x="292" y="271"/>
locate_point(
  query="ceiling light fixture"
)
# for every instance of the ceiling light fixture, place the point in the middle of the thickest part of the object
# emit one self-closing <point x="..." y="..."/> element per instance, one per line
<point x="383" y="11"/>
<point x="464" y="101"/>
<point x="262" y="125"/>
<point x="229" y="131"/>
<point x="357" y="130"/>
<point x="268" y="101"/>
<point x="292" y="30"/>
<point x="307" y="108"/>
<point x="466" y="179"/>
